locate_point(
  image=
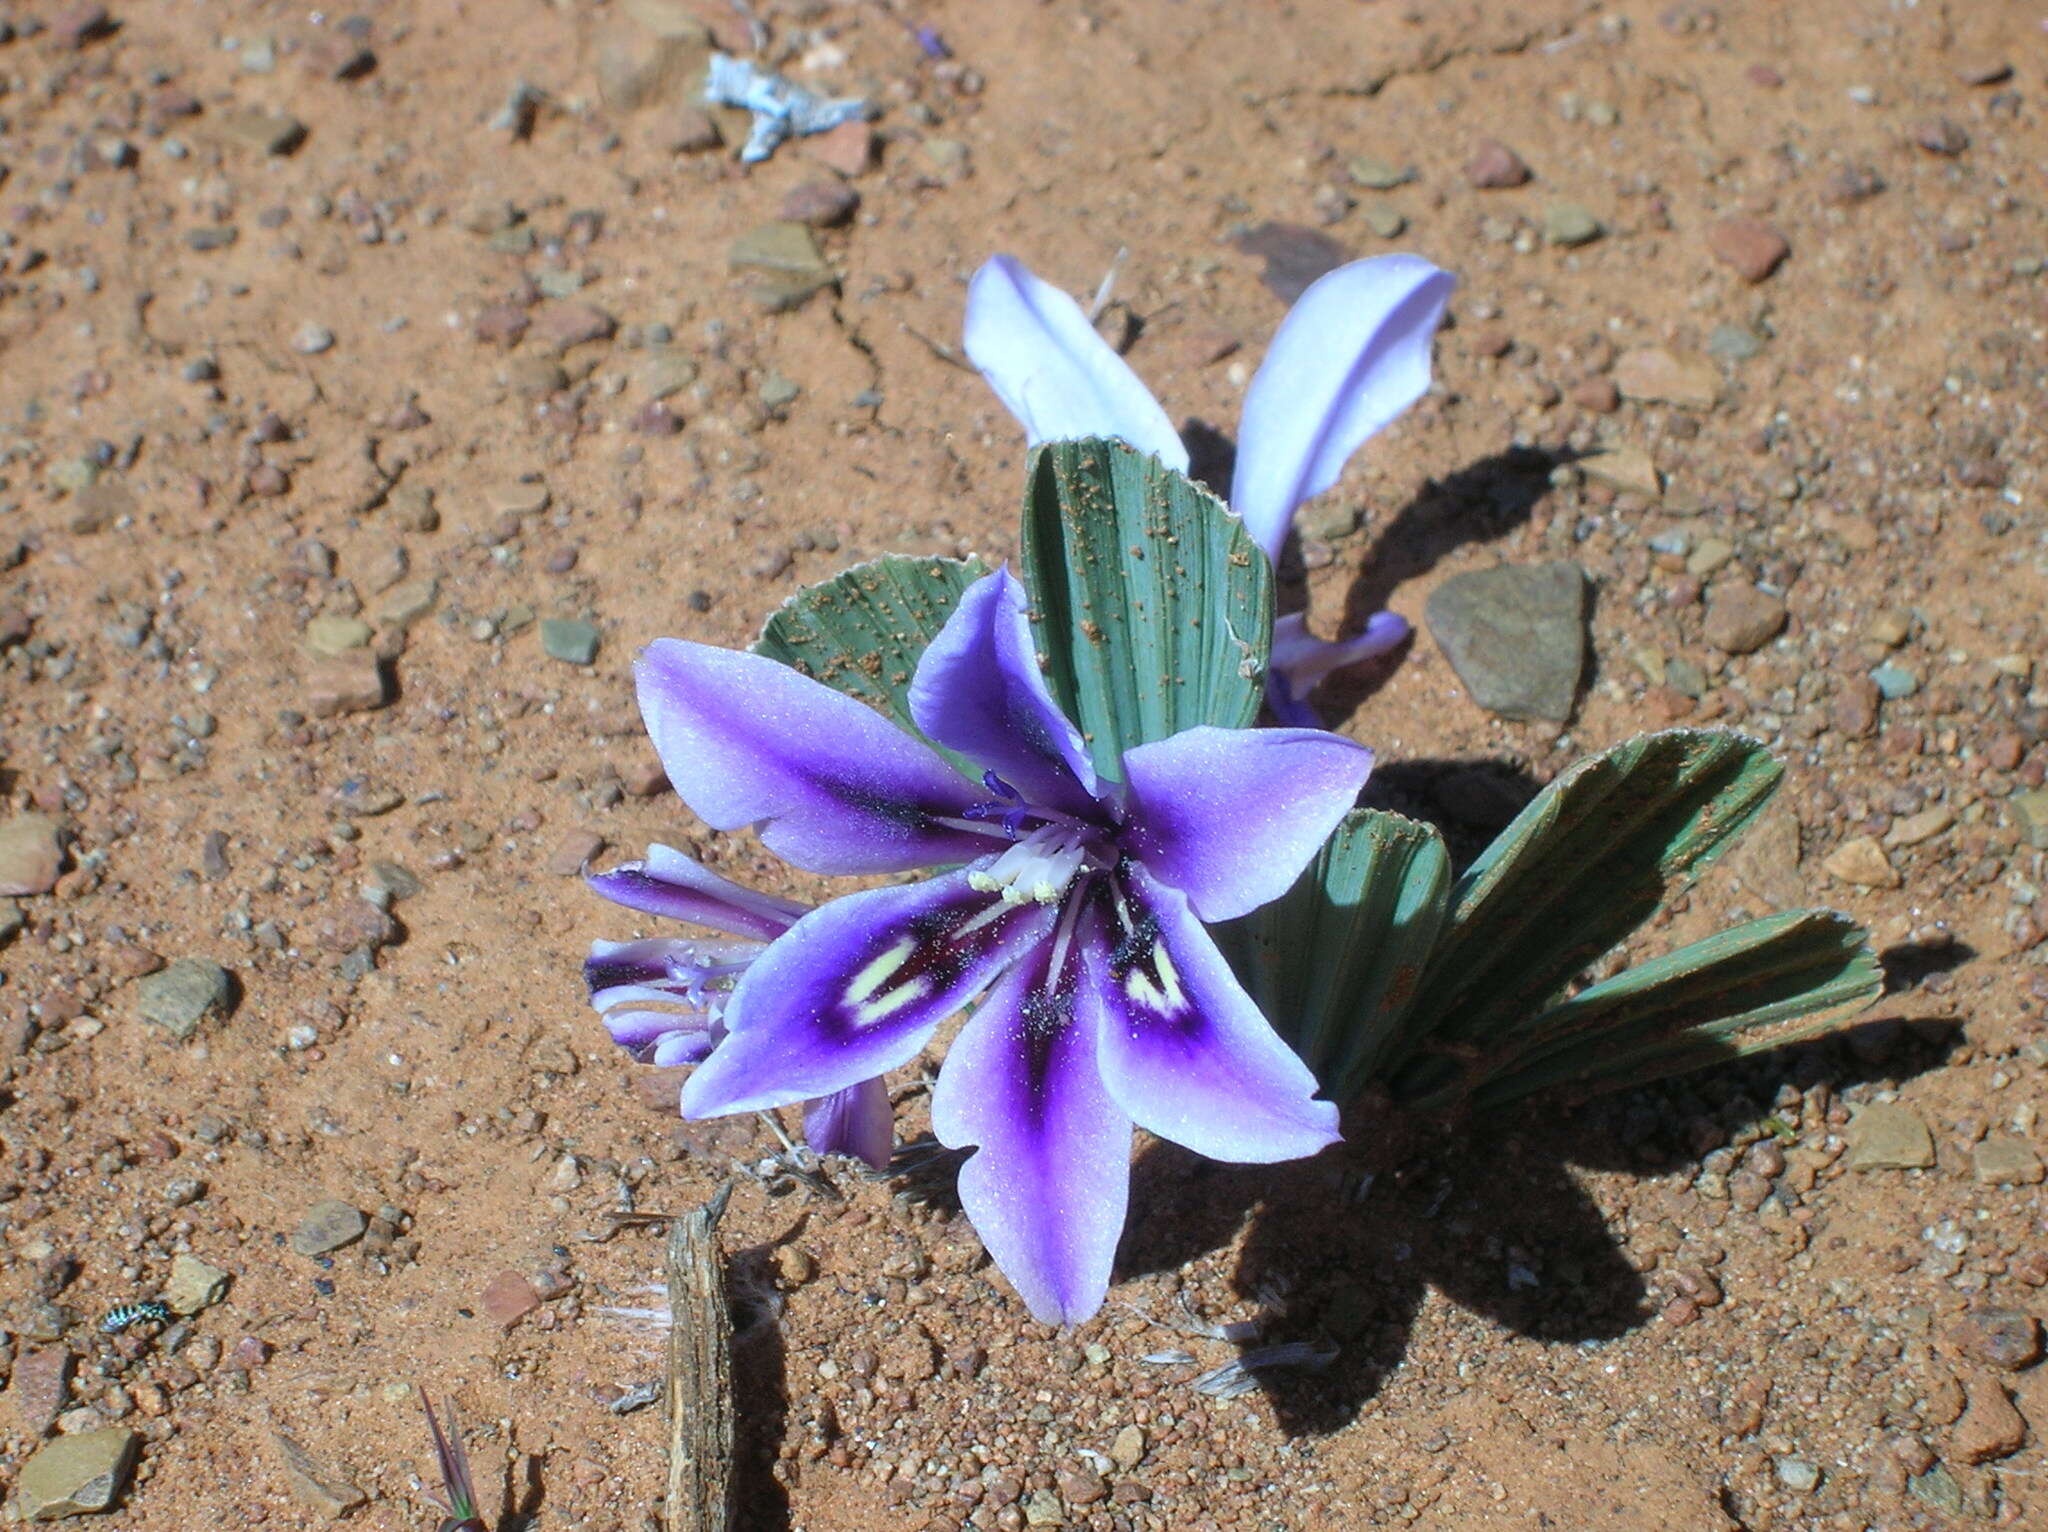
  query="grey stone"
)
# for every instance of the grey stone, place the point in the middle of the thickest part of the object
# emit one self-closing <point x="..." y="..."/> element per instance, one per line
<point x="1895" y="681"/>
<point x="2029" y="811"/>
<point x="1386" y="221"/>
<point x="74" y="1475"/>
<point x="392" y="881"/>
<point x="183" y="995"/>
<point x="1734" y="343"/>
<point x="1378" y="175"/>
<point x="1516" y="636"/>
<point x="1937" y="1487"/>
<point x="1886" y="1136"/>
<point x="194" y="1285"/>
<point x="1797" y="1475"/>
<point x="785" y="258"/>
<point x="568" y="640"/>
<point x="2002" y="1160"/>
<point x="335" y="635"/>
<point x="1568" y="224"/>
<point x="328" y="1225"/>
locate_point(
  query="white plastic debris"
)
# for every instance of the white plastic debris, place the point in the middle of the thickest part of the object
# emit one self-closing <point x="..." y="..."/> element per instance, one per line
<point x="781" y="108"/>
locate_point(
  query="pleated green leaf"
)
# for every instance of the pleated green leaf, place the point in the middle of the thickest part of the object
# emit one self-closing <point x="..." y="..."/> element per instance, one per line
<point x="1759" y="985"/>
<point x="1595" y="855"/>
<point x="861" y="632"/>
<point x="1335" y="962"/>
<point x="1155" y="609"/>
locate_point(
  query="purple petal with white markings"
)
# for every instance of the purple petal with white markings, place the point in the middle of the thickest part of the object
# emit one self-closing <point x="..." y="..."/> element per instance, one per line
<point x="855" y="1121"/>
<point x="978" y="690"/>
<point x="1049" y="1182"/>
<point x="1184" y="1050"/>
<point x="678" y="887"/>
<point x="1351" y="354"/>
<point x="831" y="785"/>
<point x="854" y="990"/>
<point x="1231" y="816"/>
<point x="1052" y="371"/>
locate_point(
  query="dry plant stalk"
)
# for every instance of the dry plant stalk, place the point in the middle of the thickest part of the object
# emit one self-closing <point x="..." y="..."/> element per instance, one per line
<point x="700" y="1407"/>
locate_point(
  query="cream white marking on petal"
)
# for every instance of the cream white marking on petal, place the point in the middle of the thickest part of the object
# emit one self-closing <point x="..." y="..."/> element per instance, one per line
<point x="1166" y="997"/>
<point x="878" y="970"/>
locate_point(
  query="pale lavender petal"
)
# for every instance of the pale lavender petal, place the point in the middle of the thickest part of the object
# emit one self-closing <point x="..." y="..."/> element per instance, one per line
<point x="678" y="887"/>
<point x="854" y="1121"/>
<point x="1183" y="1049"/>
<point x="682" y="1047"/>
<point x="1302" y="660"/>
<point x="1351" y="354"/>
<point x="854" y="990"/>
<point x="978" y="690"/>
<point x="1230" y="817"/>
<point x="648" y="992"/>
<point x="1048" y="1185"/>
<point x="1052" y="371"/>
<point x="831" y="785"/>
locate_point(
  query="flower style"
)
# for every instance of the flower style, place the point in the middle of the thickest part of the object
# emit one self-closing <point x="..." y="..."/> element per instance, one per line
<point x="1351" y="354"/>
<point x="663" y="1000"/>
<point x="1073" y="909"/>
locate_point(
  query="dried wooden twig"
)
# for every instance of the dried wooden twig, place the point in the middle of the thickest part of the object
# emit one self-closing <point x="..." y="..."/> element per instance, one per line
<point x="700" y="1408"/>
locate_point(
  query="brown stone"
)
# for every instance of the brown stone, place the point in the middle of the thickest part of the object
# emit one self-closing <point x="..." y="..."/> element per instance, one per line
<point x="1079" y="1484"/>
<point x="2002" y="1160"/>
<point x="683" y="130"/>
<point x="823" y="204"/>
<point x="501" y="324"/>
<point x="508" y="1298"/>
<point x="1494" y="166"/>
<point x="645" y="777"/>
<point x="1596" y="394"/>
<point x="1941" y="135"/>
<point x="636" y="69"/>
<point x="1741" y="619"/>
<point x="1748" y="245"/>
<point x="1856" y="706"/>
<point x="1863" y="863"/>
<point x="1652" y="374"/>
<point x="31" y="854"/>
<point x="560" y="326"/>
<point x="848" y="148"/>
<point x="100" y="505"/>
<point x="76" y="25"/>
<point x="2007" y="1339"/>
<point x="313" y="1483"/>
<point x="1990" y="1427"/>
<point x="351" y="682"/>
<point x="356" y="923"/>
<point x="577" y="850"/>
<point x="265" y="132"/>
<point x="40" y="1387"/>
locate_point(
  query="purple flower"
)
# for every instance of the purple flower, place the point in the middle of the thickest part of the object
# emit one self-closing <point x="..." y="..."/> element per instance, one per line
<point x="1351" y="354"/>
<point x="664" y="1000"/>
<point x="1073" y="911"/>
